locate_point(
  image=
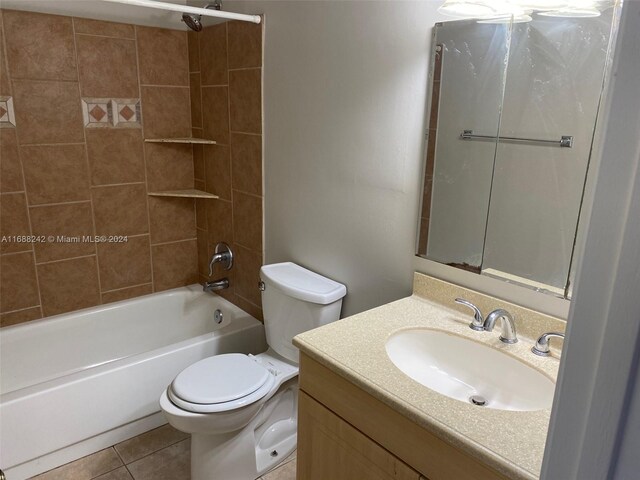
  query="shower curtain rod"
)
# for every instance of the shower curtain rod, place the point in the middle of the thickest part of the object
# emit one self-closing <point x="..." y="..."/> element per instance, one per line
<point x="187" y="9"/>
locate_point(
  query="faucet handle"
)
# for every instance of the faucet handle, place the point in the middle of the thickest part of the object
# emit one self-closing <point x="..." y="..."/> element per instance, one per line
<point x="478" y="322"/>
<point x="541" y="347"/>
<point x="222" y="254"/>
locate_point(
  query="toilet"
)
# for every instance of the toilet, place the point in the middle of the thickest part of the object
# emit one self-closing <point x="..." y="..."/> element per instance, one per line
<point x="241" y="410"/>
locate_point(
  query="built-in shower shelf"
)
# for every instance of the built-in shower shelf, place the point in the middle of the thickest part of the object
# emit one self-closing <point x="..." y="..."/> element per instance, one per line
<point x="190" y="193"/>
<point x="200" y="141"/>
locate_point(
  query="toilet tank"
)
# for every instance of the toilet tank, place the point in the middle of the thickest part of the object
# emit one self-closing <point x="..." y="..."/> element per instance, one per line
<point x="295" y="300"/>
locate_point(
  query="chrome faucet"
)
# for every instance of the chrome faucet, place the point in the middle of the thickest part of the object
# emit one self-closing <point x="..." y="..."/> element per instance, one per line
<point x="224" y="255"/>
<point x="508" y="334"/>
<point x="478" y="322"/>
<point x="542" y="345"/>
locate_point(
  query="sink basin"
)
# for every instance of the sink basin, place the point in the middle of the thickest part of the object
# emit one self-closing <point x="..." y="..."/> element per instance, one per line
<point x="469" y="371"/>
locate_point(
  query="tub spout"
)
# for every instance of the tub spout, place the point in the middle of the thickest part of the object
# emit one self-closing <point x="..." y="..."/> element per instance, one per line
<point x="215" y="285"/>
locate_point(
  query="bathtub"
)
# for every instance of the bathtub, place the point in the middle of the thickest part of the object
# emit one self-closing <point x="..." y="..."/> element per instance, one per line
<point x="75" y="383"/>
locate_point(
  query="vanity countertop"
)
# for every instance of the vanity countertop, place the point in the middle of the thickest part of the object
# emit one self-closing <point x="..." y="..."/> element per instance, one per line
<point x="511" y="442"/>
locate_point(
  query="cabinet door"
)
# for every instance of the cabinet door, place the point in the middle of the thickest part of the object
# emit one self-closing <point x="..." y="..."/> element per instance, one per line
<point x="330" y="448"/>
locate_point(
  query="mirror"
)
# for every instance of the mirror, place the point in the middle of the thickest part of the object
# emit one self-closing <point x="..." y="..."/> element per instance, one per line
<point x="512" y="115"/>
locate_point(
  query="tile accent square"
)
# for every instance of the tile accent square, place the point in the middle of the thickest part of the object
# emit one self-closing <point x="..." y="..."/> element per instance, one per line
<point x="97" y="112"/>
<point x="126" y="112"/>
<point x="116" y="112"/>
<point x="7" y="113"/>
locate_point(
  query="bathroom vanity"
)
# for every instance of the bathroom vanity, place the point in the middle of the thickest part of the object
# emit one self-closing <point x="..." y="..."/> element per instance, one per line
<point x="362" y="416"/>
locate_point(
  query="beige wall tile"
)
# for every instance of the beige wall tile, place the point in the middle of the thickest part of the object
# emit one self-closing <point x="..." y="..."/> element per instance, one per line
<point x="5" y="84"/>
<point x="245" y="44"/>
<point x="85" y="468"/>
<point x="124" y="264"/>
<point x="149" y="442"/>
<point x="14" y="221"/>
<point x="171" y="219"/>
<point x="246" y="161"/>
<point x="163" y="56"/>
<point x="201" y="212"/>
<point x="254" y="310"/>
<point x="71" y="220"/>
<point x="26" y="34"/>
<point x="107" y="67"/>
<point x="115" y="155"/>
<point x="217" y="167"/>
<point x="174" y="265"/>
<point x="204" y="254"/>
<point x="220" y="222"/>
<point x="21" y="316"/>
<point x="98" y="27"/>
<point x="248" y="273"/>
<point x="215" y="113"/>
<point x="171" y="463"/>
<point x="166" y="112"/>
<point x="169" y="166"/>
<point x="48" y="112"/>
<point x="213" y="55"/>
<point x="194" y="51"/>
<point x="55" y="174"/>
<point x="18" y="285"/>
<point x="126" y="293"/>
<point x="120" y="210"/>
<point x="198" y="162"/>
<point x="10" y="168"/>
<point x="247" y="220"/>
<point x="245" y="100"/>
<point x="196" y="100"/>
<point x="68" y="285"/>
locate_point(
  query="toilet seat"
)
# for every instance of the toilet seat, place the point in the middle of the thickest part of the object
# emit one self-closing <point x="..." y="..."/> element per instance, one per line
<point x="220" y="383"/>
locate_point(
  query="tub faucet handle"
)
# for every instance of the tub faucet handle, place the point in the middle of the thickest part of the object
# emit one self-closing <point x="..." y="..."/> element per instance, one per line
<point x="222" y="254"/>
<point x="477" y="323"/>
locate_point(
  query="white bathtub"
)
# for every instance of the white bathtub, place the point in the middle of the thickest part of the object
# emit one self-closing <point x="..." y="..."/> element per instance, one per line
<point x="75" y="383"/>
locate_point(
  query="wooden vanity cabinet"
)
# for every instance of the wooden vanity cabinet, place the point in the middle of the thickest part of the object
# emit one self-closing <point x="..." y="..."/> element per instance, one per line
<point x="344" y="433"/>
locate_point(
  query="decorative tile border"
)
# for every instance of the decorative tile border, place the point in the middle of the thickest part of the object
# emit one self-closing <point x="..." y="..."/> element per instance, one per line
<point x="7" y="113"/>
<point x="111" y="112"/>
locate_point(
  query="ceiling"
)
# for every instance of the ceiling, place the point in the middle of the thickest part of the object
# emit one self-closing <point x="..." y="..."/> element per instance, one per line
<point x="109" y="11"/>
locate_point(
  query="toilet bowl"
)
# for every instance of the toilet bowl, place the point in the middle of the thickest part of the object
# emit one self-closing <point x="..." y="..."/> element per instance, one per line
<point x="241" y="410"/>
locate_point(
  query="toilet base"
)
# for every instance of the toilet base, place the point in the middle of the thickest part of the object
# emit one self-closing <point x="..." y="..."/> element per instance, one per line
<point x="246" y="455"/>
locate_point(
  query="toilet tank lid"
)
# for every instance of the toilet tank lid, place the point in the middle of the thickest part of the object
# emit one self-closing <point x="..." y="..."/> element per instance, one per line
<point x="303" y="284"/>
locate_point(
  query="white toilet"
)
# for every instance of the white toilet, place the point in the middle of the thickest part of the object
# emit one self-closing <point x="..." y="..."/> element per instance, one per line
<point x="241" y="410"/>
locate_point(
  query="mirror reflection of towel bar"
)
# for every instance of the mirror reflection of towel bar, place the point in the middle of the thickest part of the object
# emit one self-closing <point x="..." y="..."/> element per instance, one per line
<point x="565" y="140"/>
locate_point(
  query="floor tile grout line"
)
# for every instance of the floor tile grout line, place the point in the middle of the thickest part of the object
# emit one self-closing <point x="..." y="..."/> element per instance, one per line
<point x="146" y="455"/>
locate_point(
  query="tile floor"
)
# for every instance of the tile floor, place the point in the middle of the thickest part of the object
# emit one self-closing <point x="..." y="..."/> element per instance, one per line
<point x="160" y="454"/>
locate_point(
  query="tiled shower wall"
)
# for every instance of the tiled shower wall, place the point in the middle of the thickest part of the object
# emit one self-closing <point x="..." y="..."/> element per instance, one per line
<point x="225" y="64"/>
<point x="73" y="163"/>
